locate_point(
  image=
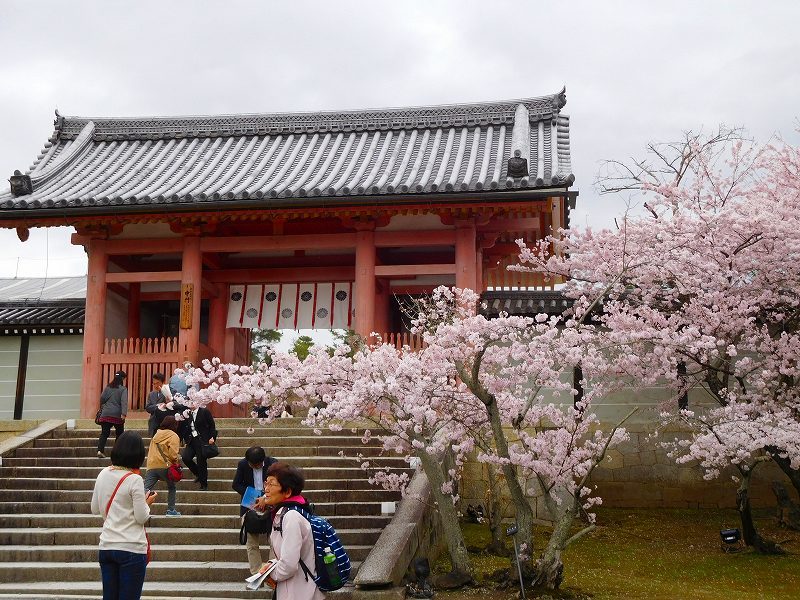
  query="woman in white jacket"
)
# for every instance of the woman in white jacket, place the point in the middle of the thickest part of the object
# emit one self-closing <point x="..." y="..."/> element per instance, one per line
<point x="119" y="497"/>
<point x="291" y="539"/>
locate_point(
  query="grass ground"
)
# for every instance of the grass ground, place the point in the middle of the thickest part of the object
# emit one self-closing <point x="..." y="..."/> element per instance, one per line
<point x="662" y="554"/>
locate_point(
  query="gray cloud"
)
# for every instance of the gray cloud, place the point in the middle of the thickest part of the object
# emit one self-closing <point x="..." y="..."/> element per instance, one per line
<point x="634" y="71"/>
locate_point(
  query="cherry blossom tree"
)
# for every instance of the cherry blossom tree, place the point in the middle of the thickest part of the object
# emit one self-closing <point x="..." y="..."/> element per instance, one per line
<point x="502" y="386"/>
<point x="411" y="402"/>
<point x="703" y="291"/>
<point x="540" y="419"/>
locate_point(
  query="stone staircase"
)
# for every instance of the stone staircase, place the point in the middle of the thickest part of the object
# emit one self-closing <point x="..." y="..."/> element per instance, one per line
<point x="48" y="538"/>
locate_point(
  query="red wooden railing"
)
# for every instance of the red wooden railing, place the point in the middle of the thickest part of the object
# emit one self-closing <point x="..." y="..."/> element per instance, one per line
<point x="398" y="340"/>
<point x="140" y="358"/>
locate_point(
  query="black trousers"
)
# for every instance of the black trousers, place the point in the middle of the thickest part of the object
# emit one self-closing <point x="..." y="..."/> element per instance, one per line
<point x="105" y="431"/>
<point x="194" y="449"/>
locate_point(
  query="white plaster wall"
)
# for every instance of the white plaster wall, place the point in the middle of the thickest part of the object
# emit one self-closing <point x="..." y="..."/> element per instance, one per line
<point x="9" y="361"/>
<point x="53" y="380"/>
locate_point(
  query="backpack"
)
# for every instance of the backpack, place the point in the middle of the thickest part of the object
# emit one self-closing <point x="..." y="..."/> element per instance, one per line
<point x="324" y="537"/>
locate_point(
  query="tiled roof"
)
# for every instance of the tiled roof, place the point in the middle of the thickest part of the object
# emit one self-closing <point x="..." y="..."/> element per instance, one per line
<point x="52" y="312"/>
<point x="42" y="289"/>
<point x="97" y="162"/>
<point x="523" y="303"/>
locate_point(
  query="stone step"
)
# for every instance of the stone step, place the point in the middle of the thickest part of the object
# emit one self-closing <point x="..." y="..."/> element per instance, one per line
<point x="189" y="573"/>
<point x="186" y="553"/>
<point x="224" y="430"/>
<point x="61" y="463"/>
<point x="158" y="535"/>
<point x="227" y="522"/>
<point x="244" y="441"/>
<point x="162" y="590"/>
<point x="221" y="474"/>
<point x="188" y="493"/>
<point x="31" y="483"/>
<point x="323" y="509"/>
<point x="236" y="452"/>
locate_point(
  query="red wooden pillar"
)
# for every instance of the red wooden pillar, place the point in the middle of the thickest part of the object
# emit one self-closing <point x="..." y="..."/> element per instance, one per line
<point x="94" y="327"/>
<point x="191" y="274"/>
<point x="217" y="318"/>
<point x="466" y="255"/>
<point x="479" y="271"/>
<point x="382" y="307"/>
<point x="365" y="281"/>
<point x="134" y="309"/>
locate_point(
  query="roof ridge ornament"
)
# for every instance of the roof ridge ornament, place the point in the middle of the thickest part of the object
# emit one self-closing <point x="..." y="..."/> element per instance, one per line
<point x="20" y="184"/>
<point x="520" y="144"/>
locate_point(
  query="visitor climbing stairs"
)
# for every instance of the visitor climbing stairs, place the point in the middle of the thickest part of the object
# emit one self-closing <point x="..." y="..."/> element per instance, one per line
<point x="48" y="537"/>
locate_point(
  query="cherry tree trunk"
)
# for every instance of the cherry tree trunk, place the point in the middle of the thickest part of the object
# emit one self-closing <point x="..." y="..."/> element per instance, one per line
<point x="456" y="548"/>
<point x="523" y="509"/>
<point x="548" y="571"/>
<point x="749" y="532"/>
<point x="494" y="512"/>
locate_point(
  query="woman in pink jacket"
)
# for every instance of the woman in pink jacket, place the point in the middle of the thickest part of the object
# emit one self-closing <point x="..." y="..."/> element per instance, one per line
<point x="291" y="538"/>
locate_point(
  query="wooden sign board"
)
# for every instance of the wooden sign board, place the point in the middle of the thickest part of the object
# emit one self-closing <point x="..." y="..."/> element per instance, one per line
<point x="187" y="302"/>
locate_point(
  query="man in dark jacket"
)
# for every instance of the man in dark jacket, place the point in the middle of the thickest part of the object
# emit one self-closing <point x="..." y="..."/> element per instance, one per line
<point x="198" y="430"/>
<point x="252" y="472"/>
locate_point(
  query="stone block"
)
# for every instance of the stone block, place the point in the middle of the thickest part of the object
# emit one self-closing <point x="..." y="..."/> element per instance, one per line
<point x="647" y="457"/>
<point x="600" y="474"/>
<point x="633" y="459"/>
<point x="613" y="459"/>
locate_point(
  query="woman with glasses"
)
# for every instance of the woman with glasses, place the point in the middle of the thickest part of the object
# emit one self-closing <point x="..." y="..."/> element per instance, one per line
<point x="291" y="539"/>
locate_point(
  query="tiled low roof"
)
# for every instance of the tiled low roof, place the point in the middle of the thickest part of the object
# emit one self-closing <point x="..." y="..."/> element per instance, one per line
<point x="42" y="289"/>
<point x="53" y="312"/>
<point x="202" y="161"/>
<point x="523" y="303"/>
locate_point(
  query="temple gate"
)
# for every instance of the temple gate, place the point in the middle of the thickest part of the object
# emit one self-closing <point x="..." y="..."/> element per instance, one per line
<point x="200" y="228"/>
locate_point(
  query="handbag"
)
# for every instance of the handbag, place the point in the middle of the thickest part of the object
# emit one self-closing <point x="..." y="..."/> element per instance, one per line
<point x="256" y="523"/>
<point x="174" y="471"/>
<point x="108" y="508"/>
<point x="209" y="451"/>
<point x="97" y="416"/>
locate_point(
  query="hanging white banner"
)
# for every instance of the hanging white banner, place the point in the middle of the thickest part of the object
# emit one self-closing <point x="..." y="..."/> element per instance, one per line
<point x="287" y="319"/>
<point x="252" y="306"/>
<point x="305" y="308"/>
<point x="342" y="306"/>
<point x="291" y="306"/>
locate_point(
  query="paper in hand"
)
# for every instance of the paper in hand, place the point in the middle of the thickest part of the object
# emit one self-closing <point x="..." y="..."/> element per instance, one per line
<point x="254" y="581"/>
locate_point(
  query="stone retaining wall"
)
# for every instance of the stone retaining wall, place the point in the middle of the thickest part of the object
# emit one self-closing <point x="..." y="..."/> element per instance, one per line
<point x="639" y="474"/>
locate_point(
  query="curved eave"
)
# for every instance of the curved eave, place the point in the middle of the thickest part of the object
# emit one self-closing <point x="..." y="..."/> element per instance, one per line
<point x="377" y="202"/>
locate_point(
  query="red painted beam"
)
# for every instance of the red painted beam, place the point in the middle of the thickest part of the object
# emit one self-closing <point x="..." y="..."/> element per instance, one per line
<point x="404" y="239"/>
<point x="143" y="277"/>
<point x="277" y="242"/>
<point x="402" y="270"/>
<point x="281" y="275"/>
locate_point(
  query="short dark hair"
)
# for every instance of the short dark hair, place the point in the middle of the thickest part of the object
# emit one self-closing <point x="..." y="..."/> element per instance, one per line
<point x="169" y="422"/>
<point x="160" y="377"/>
<point x="128" y="451"/>
<point x="255" y="455"/>
<point x="290" y="478"/>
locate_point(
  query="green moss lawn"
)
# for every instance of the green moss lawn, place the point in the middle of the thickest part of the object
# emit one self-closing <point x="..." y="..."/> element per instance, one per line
<point x="658" y="554"/>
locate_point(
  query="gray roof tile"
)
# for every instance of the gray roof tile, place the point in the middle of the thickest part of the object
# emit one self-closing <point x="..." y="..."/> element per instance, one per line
<point x="164" y="160"/>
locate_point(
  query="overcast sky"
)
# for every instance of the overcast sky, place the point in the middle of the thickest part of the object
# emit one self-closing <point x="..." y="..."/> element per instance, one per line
<point x="635" y="72"/>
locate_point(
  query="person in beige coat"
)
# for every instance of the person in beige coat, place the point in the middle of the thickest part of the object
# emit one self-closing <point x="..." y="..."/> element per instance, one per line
<point x="291" y="539"/>
<point x="163" y="452"/>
